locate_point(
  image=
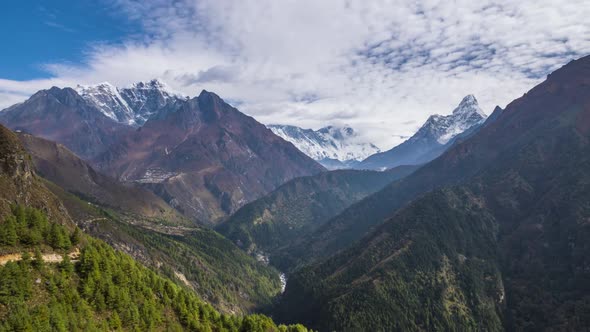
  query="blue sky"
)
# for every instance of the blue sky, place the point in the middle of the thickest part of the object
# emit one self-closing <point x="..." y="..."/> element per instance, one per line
<point x="36" y="33"/>
<point x="381" y="66"/>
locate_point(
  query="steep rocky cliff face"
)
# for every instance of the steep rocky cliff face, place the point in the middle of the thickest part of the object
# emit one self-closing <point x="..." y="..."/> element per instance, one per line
<point x="18" y="182"/>
<point x="133" y="105"/>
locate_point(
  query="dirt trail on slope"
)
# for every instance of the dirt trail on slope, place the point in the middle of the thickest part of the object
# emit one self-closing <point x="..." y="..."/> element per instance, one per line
<point x="48" y="258"/>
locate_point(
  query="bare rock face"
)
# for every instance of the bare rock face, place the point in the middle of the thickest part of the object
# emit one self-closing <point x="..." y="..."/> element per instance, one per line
<point x="13" y="160"/>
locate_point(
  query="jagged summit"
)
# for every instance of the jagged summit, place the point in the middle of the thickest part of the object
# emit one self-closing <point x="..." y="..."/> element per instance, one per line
<point x="133" y="105"/>
<point x="65" y="95"/>
<point x="469" y="105"/>
<point x="338" y="132"/>
<point x="494" y="116"/>
<point x="443" y="128"/>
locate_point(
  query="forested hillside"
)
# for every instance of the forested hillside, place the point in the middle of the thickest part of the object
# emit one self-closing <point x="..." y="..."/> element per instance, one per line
<point x="506" y="249"/>
<point x="432" y="268"/>
<point x="142" y="225"/>
<point x="91" y="287"/>
<point x="195" y="256"/>
<point x="284" y="217"/>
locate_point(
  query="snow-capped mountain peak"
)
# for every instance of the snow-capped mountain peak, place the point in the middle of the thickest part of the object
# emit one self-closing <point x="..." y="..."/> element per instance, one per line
<point x="442" y="129"/>
<point x="328" y="143"/>
<point x="133" y="105"/>
<point x="436" y="135"/>
<point x="469" y="105"/>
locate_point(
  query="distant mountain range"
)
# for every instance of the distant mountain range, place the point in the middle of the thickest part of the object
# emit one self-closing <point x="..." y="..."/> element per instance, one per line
<point x="202" y="156"/>
<point x="435" y="136"/>
<point x="333" y="147"/>
<point x="340" y="147"/>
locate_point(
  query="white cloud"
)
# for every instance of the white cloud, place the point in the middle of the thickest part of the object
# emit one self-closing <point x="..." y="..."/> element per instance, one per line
<point x="381" y="66"/>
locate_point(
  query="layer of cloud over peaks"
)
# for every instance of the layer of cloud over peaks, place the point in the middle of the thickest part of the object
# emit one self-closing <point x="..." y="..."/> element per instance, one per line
<point x="380" y="66"/>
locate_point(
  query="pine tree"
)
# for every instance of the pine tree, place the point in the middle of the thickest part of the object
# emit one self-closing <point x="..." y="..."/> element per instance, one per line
<point x="107" y="290"/>
<point x="38" y="259"/>
<point x="66" y="265"/>
<point x="20" y="214"/>
<point x="257" y="323"/>
<point x="41" y="319"/>
<point x="25" y="258"/>
<point x="8" y="234"/>
<point x="75" y="238"/>
<point x="58" y="238"/>
<point x="20" y="319"/>
<point x="115" y="322"/>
